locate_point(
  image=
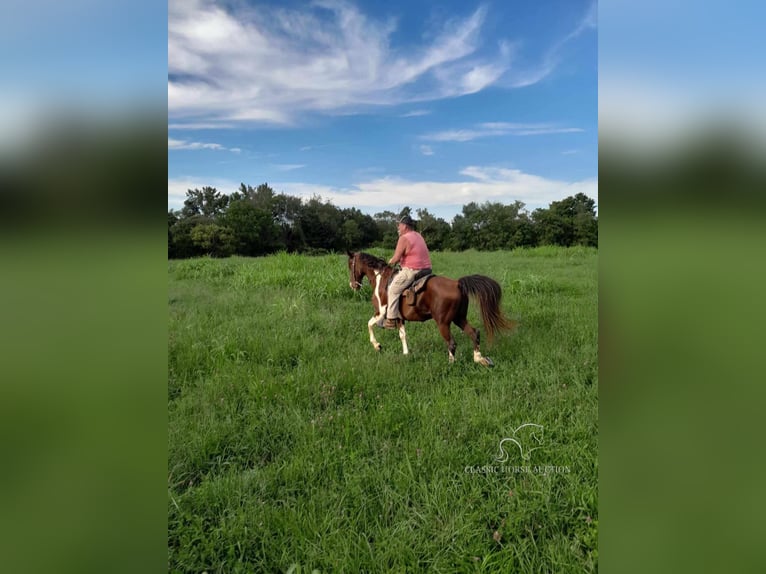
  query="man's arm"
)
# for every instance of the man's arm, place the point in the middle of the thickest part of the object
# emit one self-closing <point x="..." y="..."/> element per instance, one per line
<point x="401" y="247"/>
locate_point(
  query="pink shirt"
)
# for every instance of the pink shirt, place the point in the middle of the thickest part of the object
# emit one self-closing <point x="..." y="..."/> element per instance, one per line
<point x="415" y="253"/>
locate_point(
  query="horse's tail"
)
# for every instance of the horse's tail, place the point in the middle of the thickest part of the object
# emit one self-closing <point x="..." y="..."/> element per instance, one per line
<point x="489" y="294"/>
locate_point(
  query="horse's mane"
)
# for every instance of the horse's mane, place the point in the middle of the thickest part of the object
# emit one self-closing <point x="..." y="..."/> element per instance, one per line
<point x="372" y="261"/>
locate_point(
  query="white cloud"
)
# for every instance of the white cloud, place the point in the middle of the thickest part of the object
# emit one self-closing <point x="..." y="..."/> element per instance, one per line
<point x="289" y="166"/>
<point x="174" y="144"/>
<point x="183" y="144"/>
<point x="199" y="126"/>
<point x="230" y="64"/>
<point x="415" y="113"/>
<point x="478" y="184"/>
<point x="493" y="129"/>
<point x="426" y="150"/>
<point x="479" y="77"/>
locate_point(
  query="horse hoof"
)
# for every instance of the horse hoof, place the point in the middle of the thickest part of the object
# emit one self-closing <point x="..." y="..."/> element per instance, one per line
<point x="378" y="347"/>
<point x="487" y="362"/>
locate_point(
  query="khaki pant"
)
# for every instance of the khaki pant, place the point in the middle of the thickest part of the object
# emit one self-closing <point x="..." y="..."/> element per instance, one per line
<point x="403" y="279"/>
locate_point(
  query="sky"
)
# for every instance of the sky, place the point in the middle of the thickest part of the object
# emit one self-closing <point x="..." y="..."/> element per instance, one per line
<point x="382" y="105"/>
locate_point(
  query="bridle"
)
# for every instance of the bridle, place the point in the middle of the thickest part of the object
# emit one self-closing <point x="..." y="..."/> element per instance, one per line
<point x="353" y="273"/>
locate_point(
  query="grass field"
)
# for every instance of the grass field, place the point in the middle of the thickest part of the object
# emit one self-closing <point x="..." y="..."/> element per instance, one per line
<point x="294" y="446"/>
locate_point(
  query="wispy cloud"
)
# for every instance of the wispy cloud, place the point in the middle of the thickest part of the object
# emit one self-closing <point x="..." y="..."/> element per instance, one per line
<point x="415" y="113"/>
<point x="199" y="126"/>
<point x="527" y="76"/>
<point x="494" y="129"/>
<point x="288" y="166"/>
<point x="174" y="144"/>
<point x="426" y="150"/>
<point x="229" y="63"/>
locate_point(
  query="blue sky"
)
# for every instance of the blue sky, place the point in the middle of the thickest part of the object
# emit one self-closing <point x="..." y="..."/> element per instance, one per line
<point x="379" y="105"/>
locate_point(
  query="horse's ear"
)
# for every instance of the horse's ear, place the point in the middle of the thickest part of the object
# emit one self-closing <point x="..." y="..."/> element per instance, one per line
<point x="350" y="255"/>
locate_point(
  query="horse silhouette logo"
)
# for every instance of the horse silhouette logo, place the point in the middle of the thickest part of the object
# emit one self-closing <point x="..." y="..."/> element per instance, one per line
<point x="524" y="441"/>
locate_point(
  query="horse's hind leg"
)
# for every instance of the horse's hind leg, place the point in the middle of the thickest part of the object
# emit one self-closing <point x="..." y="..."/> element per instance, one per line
<point x="475" y="337"/>
<point x="447" y="335"/>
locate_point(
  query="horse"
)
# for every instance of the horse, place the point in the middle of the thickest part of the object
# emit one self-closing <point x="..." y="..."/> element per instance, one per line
<point x="444" y="300"/>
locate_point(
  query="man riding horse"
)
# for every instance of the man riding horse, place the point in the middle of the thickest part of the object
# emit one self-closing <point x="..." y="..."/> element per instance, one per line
<point x="412" y="254"/>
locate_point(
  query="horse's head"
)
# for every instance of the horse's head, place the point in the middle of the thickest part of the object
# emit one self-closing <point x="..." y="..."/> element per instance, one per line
<point x="355" y="272"/>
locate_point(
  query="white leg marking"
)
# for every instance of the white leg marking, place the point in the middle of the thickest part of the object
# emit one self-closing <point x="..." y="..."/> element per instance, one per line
<point x="482" y="360"/>
<point x="370" y="327"/>
<point x="451" y="357"/>
<point x="403" y="337"/>
<point x="371" y="323"/>
<point x="381" y="307"/>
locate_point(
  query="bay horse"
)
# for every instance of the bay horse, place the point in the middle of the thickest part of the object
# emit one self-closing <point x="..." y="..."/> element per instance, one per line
<point x="444" y="300"/>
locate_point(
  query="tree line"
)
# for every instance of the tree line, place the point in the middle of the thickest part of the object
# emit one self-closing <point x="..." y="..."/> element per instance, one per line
<point x="258" y="221"/>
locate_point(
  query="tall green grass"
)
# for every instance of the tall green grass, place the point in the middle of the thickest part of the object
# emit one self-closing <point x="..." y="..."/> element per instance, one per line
<point x="293" y="445"/>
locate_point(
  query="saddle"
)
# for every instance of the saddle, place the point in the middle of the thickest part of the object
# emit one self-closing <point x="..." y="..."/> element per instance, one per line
<point x="418" y="284"/>
<point x="410" y="294"/>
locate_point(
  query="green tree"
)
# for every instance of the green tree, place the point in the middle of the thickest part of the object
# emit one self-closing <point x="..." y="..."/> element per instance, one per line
<point x="497" y="225"/>
<point x="551" y="227"/>
<point x="183" y="244"/>
<point x="253" y="228"/>
<point x="207" y="201"/>
<point x="351" y="234"/>
<point x="213" y="239"/>
<point x="568" y="222"/>
<point x="172" y="220"/>
<point x="434" y="230"/>
<point x="385" y="221"/>
<point x="365" y="226"/>
<point x="321" y="225"/>
<point x="287" y="210"/>
<point x="585" y="222"/>
<point x="262" y="197"/>
<point x="525" y="234"/>
<point x="465" y="228"/>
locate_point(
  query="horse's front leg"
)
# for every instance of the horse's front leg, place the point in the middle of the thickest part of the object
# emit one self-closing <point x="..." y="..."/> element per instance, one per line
<point x="370" y="326"/>
<point x="403" y="338"/>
